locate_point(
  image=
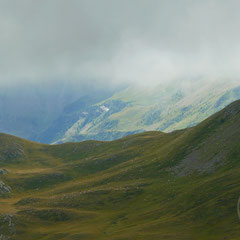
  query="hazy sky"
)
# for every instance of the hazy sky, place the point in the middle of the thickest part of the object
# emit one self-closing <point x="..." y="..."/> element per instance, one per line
<point x="118" y="40"/>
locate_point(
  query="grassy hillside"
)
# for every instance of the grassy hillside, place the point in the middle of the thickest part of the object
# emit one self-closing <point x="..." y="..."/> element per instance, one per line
<point x="137" y="109"/>
<point x="152" y="185"/>
<point x="36" y="111"/>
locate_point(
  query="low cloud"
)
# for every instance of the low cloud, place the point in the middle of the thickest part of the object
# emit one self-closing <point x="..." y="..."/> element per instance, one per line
<point x="118" y="42"/>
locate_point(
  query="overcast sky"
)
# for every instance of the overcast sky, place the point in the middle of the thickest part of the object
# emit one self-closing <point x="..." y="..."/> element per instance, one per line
<point x="118" y="41"/>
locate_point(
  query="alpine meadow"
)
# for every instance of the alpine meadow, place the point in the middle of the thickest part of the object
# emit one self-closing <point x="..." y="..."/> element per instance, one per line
<point x="119" y="120"/>
<point x="153" y="185"/>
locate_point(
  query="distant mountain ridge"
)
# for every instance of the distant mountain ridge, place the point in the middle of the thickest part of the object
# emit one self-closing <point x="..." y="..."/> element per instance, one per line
<point x="163" y="108"/>
<point x="29" y="110"/>
<point x="69" y="113"/>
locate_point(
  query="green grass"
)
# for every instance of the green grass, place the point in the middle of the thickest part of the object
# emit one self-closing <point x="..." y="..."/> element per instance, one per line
<point x="164" y="108"/>
<point x="153" y="185"/>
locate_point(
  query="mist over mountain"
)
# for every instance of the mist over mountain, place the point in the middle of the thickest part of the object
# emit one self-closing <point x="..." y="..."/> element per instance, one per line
<point x="119" y="120"/>
<point x="26" y="110"/>
<point x="63" y="63"/>
<point x="137" y="109"/>
<point x="55" y="113"/>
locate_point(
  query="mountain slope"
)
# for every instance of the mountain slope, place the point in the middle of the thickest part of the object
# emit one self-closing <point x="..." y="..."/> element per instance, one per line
<point x="135" y="109"/>
<point x="31" y="110"/>
<point x="70" y="112"/>
<point x="153" y="185"/>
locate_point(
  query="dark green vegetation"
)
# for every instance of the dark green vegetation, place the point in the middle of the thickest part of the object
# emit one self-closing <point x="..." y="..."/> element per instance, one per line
<point x="153" y="185"/>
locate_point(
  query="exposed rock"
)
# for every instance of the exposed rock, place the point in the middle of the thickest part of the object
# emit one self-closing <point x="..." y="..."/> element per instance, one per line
<point x="3" y="172"/>
<point x="195" y="162"/>
<point x="2" y="237"/>
<point x="7" y="226"/>
<point x="10" y="150"/>
<point x="4" y="188"/>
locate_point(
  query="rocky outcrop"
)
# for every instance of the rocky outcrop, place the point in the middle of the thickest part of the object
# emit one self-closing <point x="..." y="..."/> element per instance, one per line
<point x="10" y="150"/>
<point x="3" y="172"/>
<point x="4" y="188"/>
<point x="2" y="237"/>
<point x="7" y="226"/>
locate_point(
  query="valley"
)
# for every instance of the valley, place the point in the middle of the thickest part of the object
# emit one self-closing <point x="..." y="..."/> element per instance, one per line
<point x="152" y="185"/>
